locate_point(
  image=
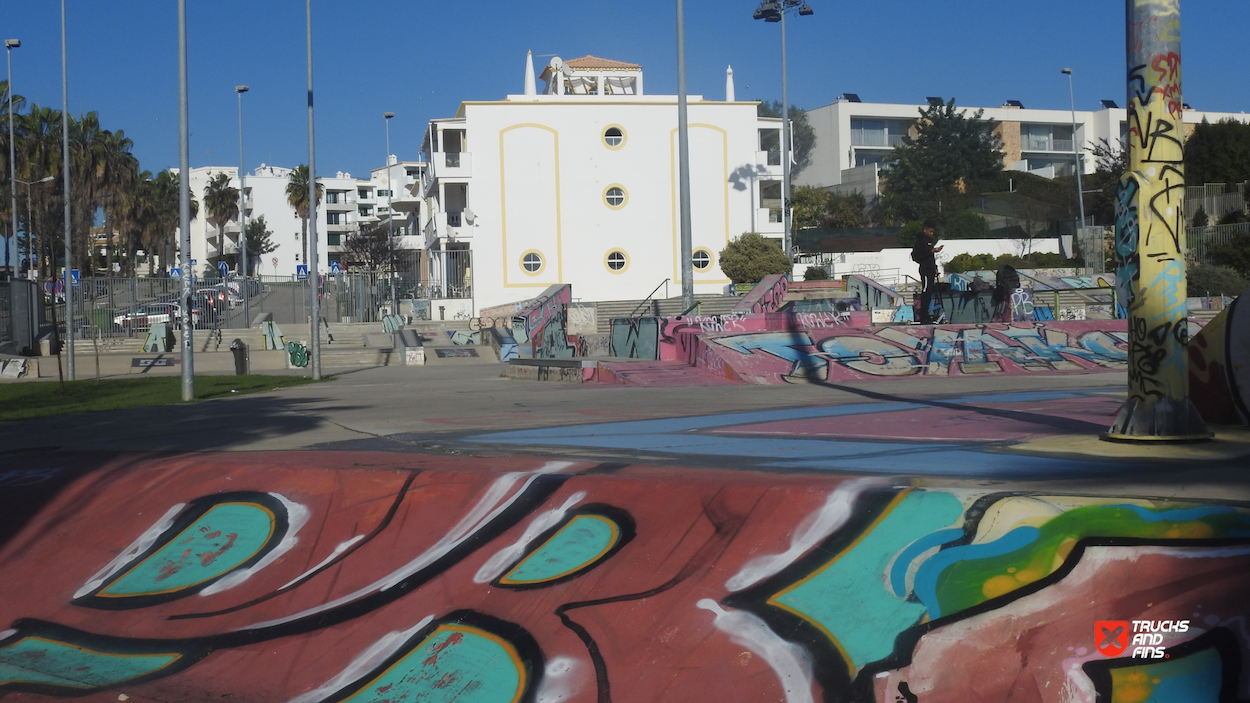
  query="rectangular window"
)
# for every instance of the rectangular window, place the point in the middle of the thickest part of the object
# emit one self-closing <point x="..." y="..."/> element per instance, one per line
<point x="365" y="211"/>
<point x="363" y="193"/>
<point x="333" y="218"/>
<point x="332" y="197"/>
<point x="882" y="132"/>
<point x="383" y="193"/>
<point x="333" y="239"/>
<point x="770" y="141"/>
<point x="412" y="172"/>
<point x="1046" y="137"/>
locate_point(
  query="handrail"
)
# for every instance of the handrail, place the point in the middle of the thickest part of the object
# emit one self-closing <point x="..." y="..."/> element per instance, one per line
<point x="648" y="298"/>
<point x="685" y="312"/>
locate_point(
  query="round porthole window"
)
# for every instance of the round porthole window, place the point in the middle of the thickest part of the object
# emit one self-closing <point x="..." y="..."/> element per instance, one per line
<point x="616" y="261"/>
<point x="532" y="262"/>
<point x="701" y="259"/>
<point x="614" y="137"/>
<point x="615" y="197"/>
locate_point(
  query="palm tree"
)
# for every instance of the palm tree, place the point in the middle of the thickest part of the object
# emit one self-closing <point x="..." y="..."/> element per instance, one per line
<point x="297" y="197"/>
<point x="6" y="216"/>
<point x="39" y="157"/>
<point x="222" y="202"/>
<point x="163" y="216"/>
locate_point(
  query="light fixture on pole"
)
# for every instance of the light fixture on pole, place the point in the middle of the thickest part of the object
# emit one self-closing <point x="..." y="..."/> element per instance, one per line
<point x="1079" y="149"/>
<point x="9" y="46"/>
<point x="245" y="288"/>
<point x="390" y="215"/>
<point x="69" y="259"/>
<point x="184" y="208"/>
<point x="33" y="257"/>
<point x="775" y="11"/>
<point x="683" y="169"/>
<point x="314" y="295"/>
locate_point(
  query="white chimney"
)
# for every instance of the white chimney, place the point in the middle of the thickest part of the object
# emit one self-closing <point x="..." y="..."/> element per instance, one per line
<point x="529" y="74"/>
<point x="729" y="84"/>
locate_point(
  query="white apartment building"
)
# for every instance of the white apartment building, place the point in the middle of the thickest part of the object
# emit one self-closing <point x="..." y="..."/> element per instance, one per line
<point x="853" y="137"/>
<point x="578" y="184"/>
<point x="348" y="204"/>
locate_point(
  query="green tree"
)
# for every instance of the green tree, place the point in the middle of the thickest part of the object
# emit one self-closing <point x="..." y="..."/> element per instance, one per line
<point x="1234" y="253"/>
<point x="751" y="257"/>
<point x="221" y="200"/>
<point x="966" y="225"/>
<point x="258" y="241"/>
<point x="297" y="197"/>
<point x="802" y="134"/>
<point x="815" y="207"/>
<point x="951" y="154"/>
<point x="1218" y="153"/>
<point x="1214" y="279"/>
<point x="1200" y="218"/>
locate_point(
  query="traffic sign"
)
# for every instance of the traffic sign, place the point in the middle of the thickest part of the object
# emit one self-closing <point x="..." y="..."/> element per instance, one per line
<point x="301" y="272"/>
<point x="54" y="285"/>
<point x="221" y="266"/>
<point x="193" y="262"/>
<point x="175" y="273"/>
<point x="74" y="274"/>
<point x="334" y="268"/>
<point x="275" y="262"/>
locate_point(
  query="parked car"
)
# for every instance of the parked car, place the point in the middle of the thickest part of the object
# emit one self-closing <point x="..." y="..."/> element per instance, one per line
<point x="144" y="316"/>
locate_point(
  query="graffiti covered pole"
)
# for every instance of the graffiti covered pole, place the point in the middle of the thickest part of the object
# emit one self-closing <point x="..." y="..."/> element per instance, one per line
<point x="1150" y="235"/>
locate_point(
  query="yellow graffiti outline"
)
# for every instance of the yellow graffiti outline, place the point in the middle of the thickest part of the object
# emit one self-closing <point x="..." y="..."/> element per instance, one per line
<point x="616" y="535"/>
<point x="523" y="678"/>
<point x="272" y="523"/>
<point x="850" y="664"/>
<point x="176" y="656"/>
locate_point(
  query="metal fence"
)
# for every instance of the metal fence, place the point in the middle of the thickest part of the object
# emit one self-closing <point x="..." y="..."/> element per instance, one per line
<point x="1199" y="239"/>
<point x="127" y="307"/>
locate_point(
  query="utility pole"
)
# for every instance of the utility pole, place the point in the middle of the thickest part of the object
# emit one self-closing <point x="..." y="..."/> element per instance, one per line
<point x="1150" y="236"/>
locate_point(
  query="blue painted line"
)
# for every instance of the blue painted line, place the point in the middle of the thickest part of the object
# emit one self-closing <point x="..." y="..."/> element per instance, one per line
<point x="898" y="572"/>
<point x="925" y="585"/>
<point x="1178" y="515"/>
<point x="954" y="461"/>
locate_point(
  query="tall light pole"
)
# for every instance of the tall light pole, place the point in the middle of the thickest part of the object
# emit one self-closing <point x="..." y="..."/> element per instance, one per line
<point x="33" y="257"/>
<point x="246" y="289"/>
<point x="184" y="208"/>
<point x="775" y="11"/>
<point x="683" y="154"/>
<point x="1080" y="151"/>
<point x="315" y="288"/>
<point x="69" y="282"/>
<point x="390" y="215"/>
<point x="9" y="46"/>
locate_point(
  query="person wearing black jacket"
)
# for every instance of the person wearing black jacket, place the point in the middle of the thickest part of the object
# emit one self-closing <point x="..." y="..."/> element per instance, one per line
<point x="924" y="252"/>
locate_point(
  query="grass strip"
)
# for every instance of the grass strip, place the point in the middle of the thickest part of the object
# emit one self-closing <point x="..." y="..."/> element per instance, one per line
<point x="20" y="401"/>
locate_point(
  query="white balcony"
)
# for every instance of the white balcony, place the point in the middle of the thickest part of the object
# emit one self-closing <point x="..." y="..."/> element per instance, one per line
<point x="768" y="158"/>
<point x="452" y="164"/>
<point x="768" y="220"/>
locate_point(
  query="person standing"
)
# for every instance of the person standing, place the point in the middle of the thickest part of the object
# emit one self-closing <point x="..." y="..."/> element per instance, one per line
<point x="924" y="253"/>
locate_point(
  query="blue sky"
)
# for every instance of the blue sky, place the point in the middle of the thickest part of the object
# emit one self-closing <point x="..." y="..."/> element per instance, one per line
<point x="420" y="59"/>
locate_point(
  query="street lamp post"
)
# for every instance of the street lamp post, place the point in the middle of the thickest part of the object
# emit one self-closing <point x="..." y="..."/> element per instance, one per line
<point x="1080" y="151"/>
<point x="683" y="168"/>
<point x="184" y="209"/>
<point x="390" y="215"/>
<point x="33" y="258"/>
<point x="315" y="288"/>
<point x="245" y="288"/>
<point x="69" y="282"/>
<point x="775" y="11"/>
<point x="10" y="45"/>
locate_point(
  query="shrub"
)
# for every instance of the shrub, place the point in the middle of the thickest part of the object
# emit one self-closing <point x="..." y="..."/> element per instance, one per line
<point x="815" y="273"/>
<point x="907" y="235"/>
<point x="753" y="256"/>
<point x="1215" y="280"/>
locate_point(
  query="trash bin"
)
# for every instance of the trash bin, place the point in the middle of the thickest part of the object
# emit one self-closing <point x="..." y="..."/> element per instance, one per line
<point x="239" y="349"/>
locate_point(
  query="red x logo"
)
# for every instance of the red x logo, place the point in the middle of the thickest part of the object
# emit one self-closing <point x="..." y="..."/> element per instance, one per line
<point x="1111" y="636"/>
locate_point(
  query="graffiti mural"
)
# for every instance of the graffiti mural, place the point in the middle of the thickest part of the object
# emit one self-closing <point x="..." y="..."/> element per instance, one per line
<point x="806" y="354"/>
<point x="1150" y="234"/>
<point x="529" y="324"/>
<point x="767" y="296"/>
<point x="524" y="579"/>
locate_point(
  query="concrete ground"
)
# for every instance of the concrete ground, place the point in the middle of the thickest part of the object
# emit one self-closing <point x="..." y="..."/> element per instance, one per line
<point x="836" y="542"/>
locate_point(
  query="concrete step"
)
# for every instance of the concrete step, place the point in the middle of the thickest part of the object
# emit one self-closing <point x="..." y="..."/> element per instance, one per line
<point x="658" y="374"/>
<point x="668" y="307"/>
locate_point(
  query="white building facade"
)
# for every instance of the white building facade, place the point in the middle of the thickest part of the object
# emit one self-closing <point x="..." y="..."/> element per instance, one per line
<point x="578" y="184"/>
<point x="347" y="205"/>
<point x="853" y="137"/>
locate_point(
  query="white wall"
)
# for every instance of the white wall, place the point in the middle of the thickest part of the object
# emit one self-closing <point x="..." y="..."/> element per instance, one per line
<point x="891" y="263"/>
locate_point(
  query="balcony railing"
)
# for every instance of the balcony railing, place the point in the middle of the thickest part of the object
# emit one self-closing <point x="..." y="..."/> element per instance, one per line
<point x="452" y="164"/>
<point x="1047" y="144"/>
<point x="880" y="139"/>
